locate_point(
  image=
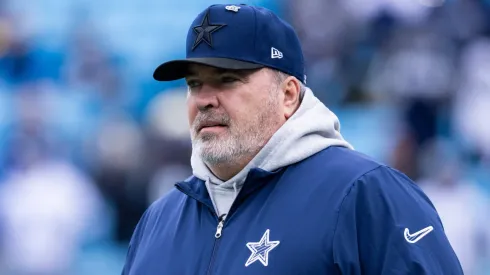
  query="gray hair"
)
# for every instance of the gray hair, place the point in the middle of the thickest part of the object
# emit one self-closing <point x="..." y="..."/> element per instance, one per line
<point x="280" y="77"/>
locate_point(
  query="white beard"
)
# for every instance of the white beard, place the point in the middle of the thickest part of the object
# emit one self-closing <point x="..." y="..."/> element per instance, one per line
<point x="231" y="146"/>
<point x="227" y="148"/>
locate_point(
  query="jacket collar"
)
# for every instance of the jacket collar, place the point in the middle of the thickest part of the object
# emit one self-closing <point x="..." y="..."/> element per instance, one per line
<point x="196" y="188"/>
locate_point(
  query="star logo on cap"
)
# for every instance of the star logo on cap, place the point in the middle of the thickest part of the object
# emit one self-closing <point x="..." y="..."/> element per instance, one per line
<point x="205" y="30"/>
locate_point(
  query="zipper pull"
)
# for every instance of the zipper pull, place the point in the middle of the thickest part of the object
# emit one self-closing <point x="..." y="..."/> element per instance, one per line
<point x="220" y="226"/>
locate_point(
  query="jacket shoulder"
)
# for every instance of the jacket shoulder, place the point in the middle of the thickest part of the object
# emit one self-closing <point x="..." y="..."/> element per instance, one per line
<point x="340" y="163"/>
<point x="171" y="198"/>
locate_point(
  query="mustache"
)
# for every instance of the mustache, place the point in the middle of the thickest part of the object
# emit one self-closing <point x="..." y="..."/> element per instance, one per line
<point x="204" y="118"/>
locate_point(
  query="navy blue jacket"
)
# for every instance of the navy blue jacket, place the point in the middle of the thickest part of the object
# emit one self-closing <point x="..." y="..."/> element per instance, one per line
<point x="337" y="212"/>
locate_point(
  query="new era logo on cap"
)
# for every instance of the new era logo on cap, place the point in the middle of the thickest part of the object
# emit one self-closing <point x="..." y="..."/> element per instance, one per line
<point x="232" y="8"/>
<point x="275" y="53"/>
<point x="238" y="37"/>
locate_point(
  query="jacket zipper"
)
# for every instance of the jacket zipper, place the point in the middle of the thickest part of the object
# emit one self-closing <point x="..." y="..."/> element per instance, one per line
<point x="219" y="227"/>
<point x="221" y="222"/>
<point x="217" y="236"/>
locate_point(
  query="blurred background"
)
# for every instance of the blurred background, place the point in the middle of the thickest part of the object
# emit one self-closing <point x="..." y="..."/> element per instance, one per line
<point x="88" y="139"/>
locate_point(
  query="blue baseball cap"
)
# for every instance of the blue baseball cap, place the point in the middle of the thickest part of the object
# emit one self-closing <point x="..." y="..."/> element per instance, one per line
<point x="238" y="37"/>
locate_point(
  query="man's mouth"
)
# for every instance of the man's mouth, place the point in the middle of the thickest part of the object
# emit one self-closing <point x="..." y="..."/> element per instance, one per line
<point x="211" y="125"/>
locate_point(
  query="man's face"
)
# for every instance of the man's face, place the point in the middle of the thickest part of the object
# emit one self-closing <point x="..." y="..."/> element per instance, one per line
<point x="232" y="114"/>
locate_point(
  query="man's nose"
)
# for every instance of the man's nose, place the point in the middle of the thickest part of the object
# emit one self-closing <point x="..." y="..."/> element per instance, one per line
<point x="207" y="98"/>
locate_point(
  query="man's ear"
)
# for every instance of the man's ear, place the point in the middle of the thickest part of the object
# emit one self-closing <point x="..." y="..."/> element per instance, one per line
<point x="291" y="90"/>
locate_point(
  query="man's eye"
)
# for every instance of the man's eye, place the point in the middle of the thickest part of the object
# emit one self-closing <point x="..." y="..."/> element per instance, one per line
<point x="228" y="79"/>
<point x="193" y="83"/>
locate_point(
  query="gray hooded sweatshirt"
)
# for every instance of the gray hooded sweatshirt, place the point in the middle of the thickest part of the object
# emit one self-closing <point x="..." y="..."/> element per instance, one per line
<point x="312" y="128"/>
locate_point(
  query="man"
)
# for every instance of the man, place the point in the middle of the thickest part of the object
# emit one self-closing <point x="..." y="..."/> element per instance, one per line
<point x="275" y="188"/>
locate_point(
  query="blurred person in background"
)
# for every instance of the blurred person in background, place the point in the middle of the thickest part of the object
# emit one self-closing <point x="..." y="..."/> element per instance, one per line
<point x="168" y="138"/>
<point x="47" y="205"/>
<point x="471" y="108"/>
<point x="267" y="154"/>
<point x="417" y="73"/>
<point x="116" y="162"/>
<point x="109" y="141"/>
<point x="460" y="203"/>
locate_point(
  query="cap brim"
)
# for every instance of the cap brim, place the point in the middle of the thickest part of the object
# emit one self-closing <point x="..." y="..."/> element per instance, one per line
<point x="178" y="69"/>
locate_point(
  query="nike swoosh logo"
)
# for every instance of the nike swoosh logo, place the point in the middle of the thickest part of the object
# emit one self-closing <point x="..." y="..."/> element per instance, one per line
<point x="415" y="237"/>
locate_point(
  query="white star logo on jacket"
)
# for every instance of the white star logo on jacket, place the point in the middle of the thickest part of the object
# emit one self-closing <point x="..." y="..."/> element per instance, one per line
<point x="260" y="250"/>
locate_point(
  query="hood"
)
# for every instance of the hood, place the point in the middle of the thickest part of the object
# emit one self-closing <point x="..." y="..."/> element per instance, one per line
<point x="311" y="129"/>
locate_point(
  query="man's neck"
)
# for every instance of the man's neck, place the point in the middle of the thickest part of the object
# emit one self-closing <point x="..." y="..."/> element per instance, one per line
<point x="227" y="170"/>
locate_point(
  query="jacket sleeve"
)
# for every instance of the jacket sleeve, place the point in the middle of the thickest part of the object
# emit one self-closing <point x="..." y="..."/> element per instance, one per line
<point x="387" y="225"/>
<point x="134" y="243"/>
